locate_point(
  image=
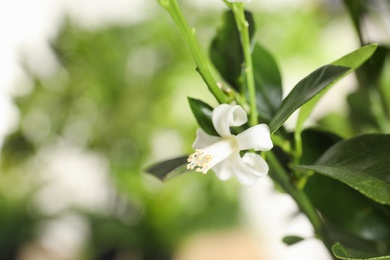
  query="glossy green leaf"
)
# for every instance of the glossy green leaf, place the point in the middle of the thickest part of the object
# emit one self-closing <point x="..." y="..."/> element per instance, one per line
<point x="226" y="51"/>
<point x="311" y="86"/>
<point x="305" y="90"/>
<point x="203" y="115"/>
<point x="169" y="169"/>
<point x="268" y="82"/>
<point x="353" y="61"/>
<point x="362" y="163"/>
<point x="349" y="217"/>
<point x="291" y="240"/>
<point x="342" y="252"/>
<point x="376" y="189"/>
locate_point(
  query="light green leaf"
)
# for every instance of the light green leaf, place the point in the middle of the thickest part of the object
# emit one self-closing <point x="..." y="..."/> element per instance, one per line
<point x="356" y="58"/>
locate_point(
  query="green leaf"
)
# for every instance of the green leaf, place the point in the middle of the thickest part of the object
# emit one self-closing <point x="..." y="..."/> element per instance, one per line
<point x="312" y="85"/>
<point x="203" y="115"/>
<point x="376" y="189"/>
<point x="353" y="61"/>
<point x="356" y="58"/>
<point x="305" y="90"/>
<point x="315" y="142"/>
<point x="268" y="82"/>
<point x="291" y="240"/>
<point x="226" y="51"/>
<point x="349" y="217"/>
<point x="168" y="169"/>
<point x="362" y="163"/>
<point x="342" y="252"/>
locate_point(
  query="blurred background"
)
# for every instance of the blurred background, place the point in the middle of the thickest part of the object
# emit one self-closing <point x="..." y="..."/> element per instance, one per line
<point x="92" y="92"/>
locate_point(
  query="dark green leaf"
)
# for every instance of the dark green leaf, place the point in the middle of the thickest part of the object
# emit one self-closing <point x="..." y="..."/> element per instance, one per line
<point x="226" y="51"/>
<point x="169" y="169"/>
<point x="314" y="143"/>
<point x="311" y="86"/>
<point x="349" y="217"/>
<point x="203" y="114"/>
<point x="362" y="163"/>
<point x="291" y="240"/>
<point x="305" y="90"/>
<point x="352" y="60"/>
<point x="342" y="252"/>
<point x="268" y="82"/>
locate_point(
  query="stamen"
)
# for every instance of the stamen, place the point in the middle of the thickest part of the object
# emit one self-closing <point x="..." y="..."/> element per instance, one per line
<point x="199" y="161"/>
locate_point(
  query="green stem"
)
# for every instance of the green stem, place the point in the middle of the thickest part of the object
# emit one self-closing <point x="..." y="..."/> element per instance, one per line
<point x="189" y="37"/>
<point x="243" y="28"/>
<point x="280" y="176"/>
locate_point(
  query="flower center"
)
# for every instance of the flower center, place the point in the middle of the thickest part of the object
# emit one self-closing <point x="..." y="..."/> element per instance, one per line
<point x="204" y="159"/>
<point x="199" y="160"/>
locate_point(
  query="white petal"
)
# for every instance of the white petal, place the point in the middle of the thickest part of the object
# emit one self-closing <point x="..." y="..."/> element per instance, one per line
<point x="204" y="159"/>
<point x="203" y="139"/>
<point x="257" y="137"/>
<point x="249" y="168"/>
<point x="220" y="151"/>
<point x="225" y="116"/>
<point x="223" y="170"/>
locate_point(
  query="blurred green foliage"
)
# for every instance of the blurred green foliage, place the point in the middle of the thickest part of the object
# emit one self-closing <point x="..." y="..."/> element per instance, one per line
<point x="117" y="88"/>
<point x="115" y="91"/>
<point x="17" y="219"/>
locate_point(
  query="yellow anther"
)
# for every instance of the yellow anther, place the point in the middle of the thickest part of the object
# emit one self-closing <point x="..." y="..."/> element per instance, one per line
<point x="199" y="161"/>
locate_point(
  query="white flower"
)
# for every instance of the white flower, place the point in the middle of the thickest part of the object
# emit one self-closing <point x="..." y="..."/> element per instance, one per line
<point x="240" y="1"/>
<point x="222" y="154"/>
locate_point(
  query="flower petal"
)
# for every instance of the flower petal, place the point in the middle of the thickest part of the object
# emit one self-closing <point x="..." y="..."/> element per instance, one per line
<point x="257" y="137"/>
<point x="203" y="139"/>
<point x="225" y="116"/>
<point x="219" y="151"/>
<point x="204" y="159"/>
<point x="249" y="168"/>
<point x="223" y="170"/>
